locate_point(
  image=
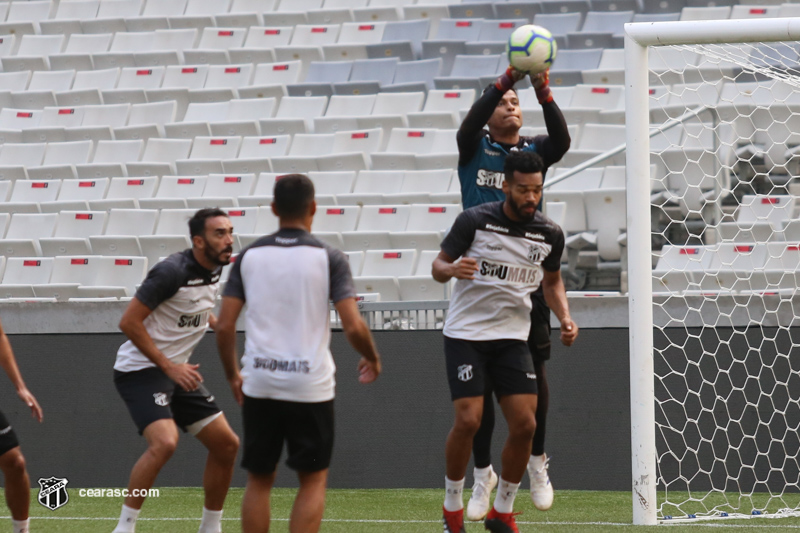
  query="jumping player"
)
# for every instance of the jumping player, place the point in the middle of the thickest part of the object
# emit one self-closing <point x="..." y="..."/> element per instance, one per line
<point x="12" y="463"/>
<point x="482" y="154"/>
<point x="507" y="249"/>
<point x="286" y="384"/>
<point x="164" y="322"/>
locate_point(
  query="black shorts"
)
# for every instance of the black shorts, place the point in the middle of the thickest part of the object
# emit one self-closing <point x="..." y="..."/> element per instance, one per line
<point x="8" y="439"/>
<point x="150" y="395"/>
<point x="307" y="429"/>
<point x="539" y="336"/>
<point x="473" y="365"/>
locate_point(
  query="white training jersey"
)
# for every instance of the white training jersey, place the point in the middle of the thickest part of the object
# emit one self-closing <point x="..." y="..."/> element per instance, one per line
<point x="287" y="281"/>
<point x="511" y="257"/>
<point x="181" y="294"/>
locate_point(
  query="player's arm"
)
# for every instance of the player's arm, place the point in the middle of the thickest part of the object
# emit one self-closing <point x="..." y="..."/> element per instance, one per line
<point x="132" y="325"/>
<point x="445" y="268"/>
<point x="468" y="135"/>
<point x="226" y="343"/>
<point x="9" y="364"/>
<point x="358" y="335"/>
<point x="556" y="143"/>
<point x="556" y="297"/>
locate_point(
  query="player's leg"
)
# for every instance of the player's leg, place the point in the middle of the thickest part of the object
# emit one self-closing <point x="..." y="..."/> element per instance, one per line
<point x="309" y="443"/>
<point x="162" y="440"/>
<point x="264" y="424"/>
<point x="222" y="444"/>
<point x="17" y="486"/>
<point x="465" y="375"/>
<point x="511" y="370"/>
<point x="309" y="505"/>
<point x="485" y="479"/>
<point x="147" y="395"/>
<point x="256" y="503"/>
<point x="539" y="345"/>
<point x="197" y="413"/>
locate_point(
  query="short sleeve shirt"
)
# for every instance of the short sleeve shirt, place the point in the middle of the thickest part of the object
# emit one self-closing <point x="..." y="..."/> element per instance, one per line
<point x="512" y="258"/>
<point x="288" y="280"/>
<point x="181" y="294"/>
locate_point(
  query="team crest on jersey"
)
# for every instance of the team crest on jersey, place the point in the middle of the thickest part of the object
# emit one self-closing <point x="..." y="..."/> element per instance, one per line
<point x="53" y="492"/>
<point x="465" y="372"/>
<point x="161" y="399"/>
<point x="536" y="254"/>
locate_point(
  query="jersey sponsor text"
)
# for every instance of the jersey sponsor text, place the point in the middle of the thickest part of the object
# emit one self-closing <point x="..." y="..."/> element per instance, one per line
<point x="276" y="365"/>
<point x="490" y="178"/>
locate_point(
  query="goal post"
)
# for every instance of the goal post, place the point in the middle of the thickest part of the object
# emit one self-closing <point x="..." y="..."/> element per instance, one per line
<point x="640" y="38"/>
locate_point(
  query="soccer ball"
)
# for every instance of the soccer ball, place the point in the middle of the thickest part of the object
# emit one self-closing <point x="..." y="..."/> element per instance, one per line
<point x="531" y="49"/>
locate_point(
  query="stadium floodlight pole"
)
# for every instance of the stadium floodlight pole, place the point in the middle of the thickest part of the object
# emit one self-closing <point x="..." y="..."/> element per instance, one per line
<point x="638" y="37"/>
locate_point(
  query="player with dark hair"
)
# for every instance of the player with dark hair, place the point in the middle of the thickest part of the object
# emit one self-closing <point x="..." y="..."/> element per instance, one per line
<point x="507" y="249"/>
<point x="164" y="322"/>
<point x="12" y="462"/>
<point x="286" y="383"/>
<point x="482" y="154"/>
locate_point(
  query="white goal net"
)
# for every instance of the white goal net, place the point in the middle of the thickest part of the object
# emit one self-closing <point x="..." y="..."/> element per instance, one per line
<point x="718" y="257"/>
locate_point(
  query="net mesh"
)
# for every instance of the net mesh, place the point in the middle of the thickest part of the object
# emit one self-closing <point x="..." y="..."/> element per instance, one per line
<point x="724" y="152"/>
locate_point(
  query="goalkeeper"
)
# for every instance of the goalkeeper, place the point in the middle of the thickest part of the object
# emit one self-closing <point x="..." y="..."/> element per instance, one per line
<point x="490" y="131"/>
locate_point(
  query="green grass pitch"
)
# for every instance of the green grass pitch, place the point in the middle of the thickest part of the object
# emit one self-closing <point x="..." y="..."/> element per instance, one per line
<point x="177" y="510"/>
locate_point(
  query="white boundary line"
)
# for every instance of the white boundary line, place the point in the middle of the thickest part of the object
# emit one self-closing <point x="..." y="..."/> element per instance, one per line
<point x="354" y="521"/>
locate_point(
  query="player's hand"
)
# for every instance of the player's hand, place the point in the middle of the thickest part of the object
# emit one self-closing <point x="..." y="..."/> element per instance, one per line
<point x="26" y="396"/>
<point x="465" y="268"/>
<point x="185" y="375"/>
<point x="541" y="84"/>
<point x="569" y="331"/>
<point x="212" y="322"/>
<point x="368" y="371"/>
<point x="540" y="79"/>
<point x="515" y="74"/>
<point x="236" y="387"/>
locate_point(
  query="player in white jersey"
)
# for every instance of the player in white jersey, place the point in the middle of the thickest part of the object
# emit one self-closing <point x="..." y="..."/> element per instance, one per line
<point x="506" y="250"/>
<point x="165" y="320"/>
<point x="286" y="384"/>
<point x="12" y="463"/>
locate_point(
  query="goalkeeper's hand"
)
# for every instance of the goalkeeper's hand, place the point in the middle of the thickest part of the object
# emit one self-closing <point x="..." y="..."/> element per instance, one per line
<point x="508" y="78"/>
<point x="541" y="84"/>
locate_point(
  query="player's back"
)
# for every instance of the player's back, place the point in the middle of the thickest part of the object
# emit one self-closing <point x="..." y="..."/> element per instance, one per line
<point x="287" y="280"/>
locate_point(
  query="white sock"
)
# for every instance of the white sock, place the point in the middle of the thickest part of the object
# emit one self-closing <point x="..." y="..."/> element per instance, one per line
<point x="127" y="520"/>
<point x="20" y="526"/>
<point x="504" y="500"/>
<point x="453" y="501"/>
<point x="482" y="473"/>
<point x="211" y="522"/>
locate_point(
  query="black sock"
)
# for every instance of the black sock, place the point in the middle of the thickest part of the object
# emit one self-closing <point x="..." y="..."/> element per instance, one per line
<point x="541" y="409"/>
<point x="482" y="442"/>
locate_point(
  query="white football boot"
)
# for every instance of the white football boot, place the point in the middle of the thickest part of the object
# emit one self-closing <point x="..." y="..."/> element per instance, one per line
<point x="541" y="488"/>
<point x="480" y="501"/>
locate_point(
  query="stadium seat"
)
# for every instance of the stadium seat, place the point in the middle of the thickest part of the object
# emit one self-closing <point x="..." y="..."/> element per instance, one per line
<point x="83" y="189"/>
<point x="221" y="185"/>
<point x="180" y="187"/>
<point x="31" y="225"/>
<point x="421" y="288"/>
<point x="677" y="266"/>
<point x="132" y="187"/>
<point x="389" y="262"/>
<point x="35" y="191"/>
<point x="27" y="270"/>
<point x="385" y="286"/>
<point x="336" y="218"/>
<point x="266" y="221"/>
<point x="159" y="154"/>
<point x="118" y="271"/>
<point x="315" y="35"/>
<point x="432" y="217"/>
<point x="229" y="76"/>
<point x="132" y="222"/>
<point x="384" y="218"/>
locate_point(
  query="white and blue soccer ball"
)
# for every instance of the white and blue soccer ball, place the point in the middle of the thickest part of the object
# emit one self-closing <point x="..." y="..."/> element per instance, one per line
<point x="531" y="49"/>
